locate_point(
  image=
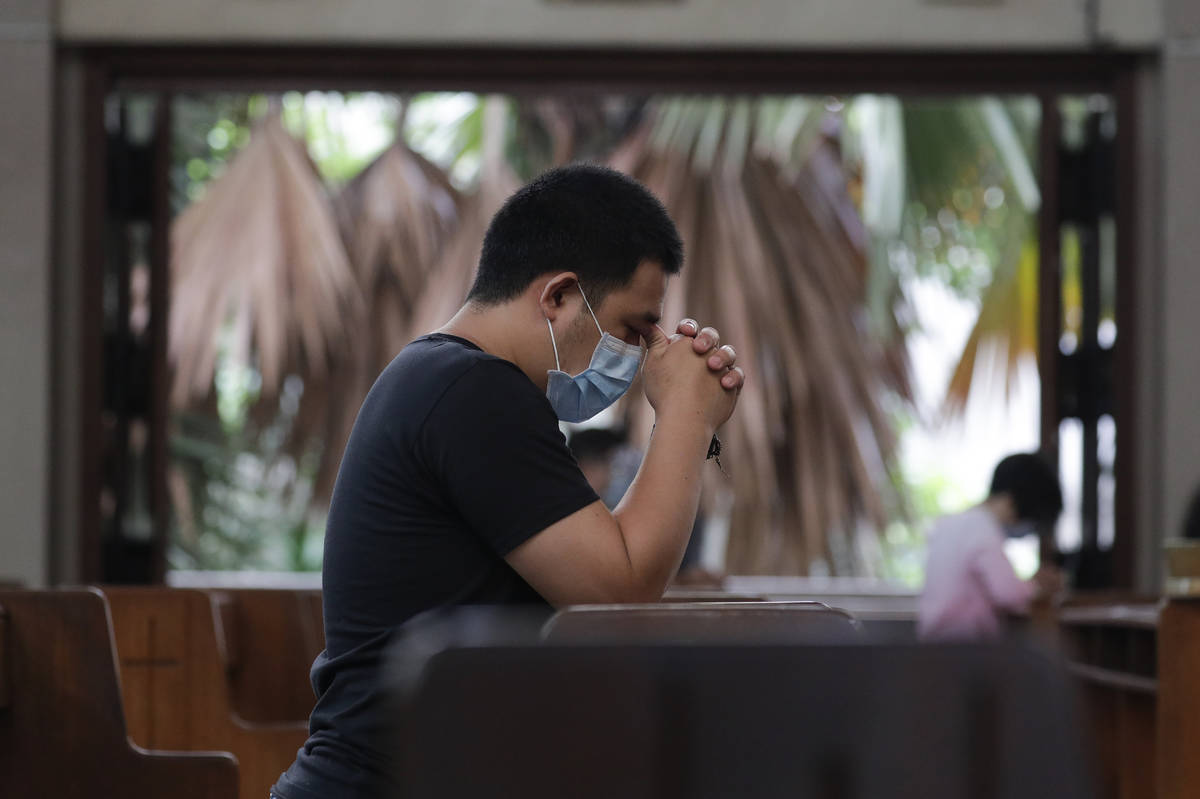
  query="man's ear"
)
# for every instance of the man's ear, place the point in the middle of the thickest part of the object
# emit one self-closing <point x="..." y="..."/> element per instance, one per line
<point x="554" y="293"/>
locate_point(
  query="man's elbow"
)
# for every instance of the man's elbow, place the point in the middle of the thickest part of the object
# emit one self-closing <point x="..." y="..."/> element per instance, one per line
<point x="618" y="592"/>
<point x="647" y="594"/>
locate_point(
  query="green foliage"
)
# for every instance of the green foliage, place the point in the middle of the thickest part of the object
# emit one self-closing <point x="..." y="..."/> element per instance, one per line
<point x="924" y="498"/>
<point x="207" y="130"/>
<point x="448" y="130"/>
<point x="967" y="209"/>
<point x="249" y="494"/>
<point x="344" y="132"/>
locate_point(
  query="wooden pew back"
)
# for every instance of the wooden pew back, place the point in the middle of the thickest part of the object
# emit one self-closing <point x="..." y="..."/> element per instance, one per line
<point x="714" y="622"/>
<point x="1111" y="646"/>
<point x="170" y="646"/>
<point x="62" y="730"/>
<point x="1178" y="720"/>
<point x="272" y="637"/>
<point x="886" y="611"/>
<point x="705" y="721"/>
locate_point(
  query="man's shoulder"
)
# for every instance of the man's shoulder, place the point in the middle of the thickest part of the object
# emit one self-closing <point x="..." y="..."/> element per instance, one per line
<point x="436" y="363"/>
<point x="448" y="372"/>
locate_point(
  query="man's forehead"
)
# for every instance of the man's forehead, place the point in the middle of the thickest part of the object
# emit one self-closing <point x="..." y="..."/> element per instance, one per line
<point x="648" y="291"/>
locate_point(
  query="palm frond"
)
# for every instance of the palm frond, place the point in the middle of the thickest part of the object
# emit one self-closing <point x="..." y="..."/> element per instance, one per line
<point x="777" y="256"/>
<point x="450" y="278"/>
<point x="1007" y="325"/>
<point x="396" y="218"/>
<point x="260" y="252"/>
<point x="953" y="145"/>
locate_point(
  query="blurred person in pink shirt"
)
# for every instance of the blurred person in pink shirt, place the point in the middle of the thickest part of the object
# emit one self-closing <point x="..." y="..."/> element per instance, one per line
<point x="970" y="584"/>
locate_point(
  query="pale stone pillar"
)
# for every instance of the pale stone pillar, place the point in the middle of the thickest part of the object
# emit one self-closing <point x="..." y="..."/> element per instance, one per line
<point x="1179" y="326"/>
<point x="26" y="172"/>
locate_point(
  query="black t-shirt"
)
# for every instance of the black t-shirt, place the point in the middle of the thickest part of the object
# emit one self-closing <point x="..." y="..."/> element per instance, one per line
<point x="455" y="459"/>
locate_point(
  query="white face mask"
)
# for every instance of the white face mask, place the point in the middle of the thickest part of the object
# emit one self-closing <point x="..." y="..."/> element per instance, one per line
<point x="613" y="367"/>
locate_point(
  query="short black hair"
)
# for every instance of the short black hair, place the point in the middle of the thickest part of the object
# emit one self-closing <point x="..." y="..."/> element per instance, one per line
<point x="1033" y="485"/>
<point x="595" y="442"/>
<point x="588" y="219"/>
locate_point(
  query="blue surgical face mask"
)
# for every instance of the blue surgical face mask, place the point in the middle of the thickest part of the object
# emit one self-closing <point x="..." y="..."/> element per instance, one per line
<point x="607" y="378"/>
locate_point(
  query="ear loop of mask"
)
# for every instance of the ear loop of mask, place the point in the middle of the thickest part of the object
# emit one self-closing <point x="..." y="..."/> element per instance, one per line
<point x="554" y="345"/>
<point x="593" y="313"/>
<point x="557" y="366"/>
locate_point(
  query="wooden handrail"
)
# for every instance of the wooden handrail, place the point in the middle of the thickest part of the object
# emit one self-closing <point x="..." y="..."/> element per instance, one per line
<point x="1141" y="616"/>
<point x="1114" y="679"/>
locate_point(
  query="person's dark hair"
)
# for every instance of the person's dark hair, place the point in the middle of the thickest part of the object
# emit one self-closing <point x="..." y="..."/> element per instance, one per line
<point x="1191" y="522"/>
<point x="583" y="218"/>
<point x="1033" y="485"/>
<point x="595" y="442"/>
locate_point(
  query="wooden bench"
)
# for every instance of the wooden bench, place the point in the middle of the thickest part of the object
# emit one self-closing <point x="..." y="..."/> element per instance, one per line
<point x="694" y="594"/>
<point x="714" y="622"/>
<point x="271" y="637"/>
<point x="707" y="721"/>
<point x="169" y="647"/>
<point x="62" y="729"/>
<point x="886" y="611"/>
<point x="1112" y="648"/>
<point x="1178" y="717"/>
<point x="1139" y="663"/>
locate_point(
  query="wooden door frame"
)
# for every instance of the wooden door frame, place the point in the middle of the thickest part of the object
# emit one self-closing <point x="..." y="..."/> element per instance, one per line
<point x="1045" y="74"/>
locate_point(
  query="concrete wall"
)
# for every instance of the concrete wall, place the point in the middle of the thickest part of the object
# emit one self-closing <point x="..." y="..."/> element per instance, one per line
<point x="1179" y="326"/>
<point x="1150" y="373"/>
<point x="26" y="97"/>
<point x="754" y="23"/>
<point x="67" y="320"/>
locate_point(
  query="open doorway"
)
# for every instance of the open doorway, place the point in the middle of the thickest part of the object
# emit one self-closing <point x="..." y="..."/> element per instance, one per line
<point x="926" y="264"/>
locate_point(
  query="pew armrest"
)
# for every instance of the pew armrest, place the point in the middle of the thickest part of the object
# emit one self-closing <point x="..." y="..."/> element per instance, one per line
<point x="1112" y="678"/>
<point x="188" y="775"/>
<point x="264" y="752"/>
<point x="273" y="730"/>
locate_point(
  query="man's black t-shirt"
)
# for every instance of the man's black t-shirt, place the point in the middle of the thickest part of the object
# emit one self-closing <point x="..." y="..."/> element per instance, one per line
<point x="455" y="459"/>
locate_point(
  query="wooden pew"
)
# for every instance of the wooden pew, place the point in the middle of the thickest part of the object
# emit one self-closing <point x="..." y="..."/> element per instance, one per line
<point x="716" y="622"/>
<point x="1179" y="698"/>
<point x="1112" y="647"/>
<point x="62" y="730"/>
<point x="271" y="637"/>
<point x="708" y="721"/>
<point x="169" y="646"/>
<point x="887" y="611"/>
<point x="694" y="593"/>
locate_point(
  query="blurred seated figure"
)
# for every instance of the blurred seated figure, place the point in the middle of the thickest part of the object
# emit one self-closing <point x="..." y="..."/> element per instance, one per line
<point x="603" y="456"/>
<point x="610" y="462"/>
<point x="969" y="583"/>
<point x="1191" y="522"/>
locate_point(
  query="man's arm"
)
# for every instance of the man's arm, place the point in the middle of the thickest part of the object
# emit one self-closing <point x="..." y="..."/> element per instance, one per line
<point x="630" y="554"/>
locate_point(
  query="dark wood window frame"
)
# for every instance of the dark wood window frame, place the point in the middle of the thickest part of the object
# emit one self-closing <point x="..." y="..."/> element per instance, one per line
<point x="168" y="69"/>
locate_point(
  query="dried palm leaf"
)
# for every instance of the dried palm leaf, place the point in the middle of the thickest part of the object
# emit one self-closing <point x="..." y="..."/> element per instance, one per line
<point x="777" y="258"/>
<point x="260" y="252"/>
<point x="450" y="279"/>
<point x="1007" y="324"/>
<point x="396" y="217"/>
